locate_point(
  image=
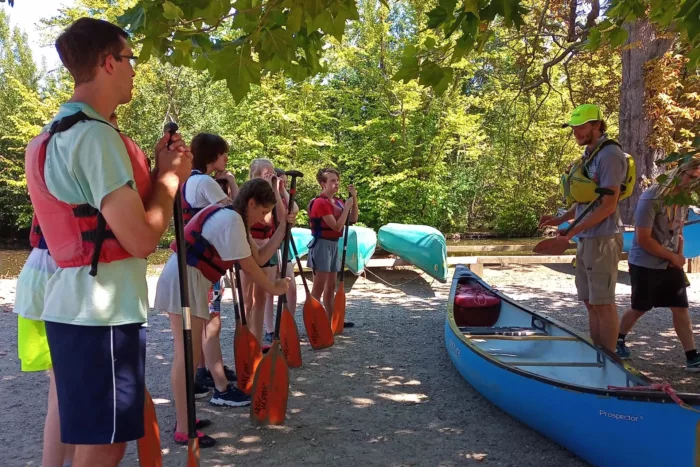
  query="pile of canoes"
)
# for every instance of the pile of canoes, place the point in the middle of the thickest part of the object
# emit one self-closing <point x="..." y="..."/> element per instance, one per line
<point x="419" y="245"/>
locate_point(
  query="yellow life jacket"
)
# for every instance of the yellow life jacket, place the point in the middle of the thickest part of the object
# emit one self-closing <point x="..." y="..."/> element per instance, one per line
<point x="577" y="187"/>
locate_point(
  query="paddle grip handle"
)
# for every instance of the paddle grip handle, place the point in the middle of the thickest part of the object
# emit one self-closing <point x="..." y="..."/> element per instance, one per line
<point x="285" y="250"/>
<point x="239" y="289"/>
<point x="170" y="127"/>
<point x="601" y="192"/>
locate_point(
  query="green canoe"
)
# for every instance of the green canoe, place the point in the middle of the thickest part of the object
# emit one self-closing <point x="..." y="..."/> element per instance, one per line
<point x="361" y="244"/>
<point x="420" y="245"/>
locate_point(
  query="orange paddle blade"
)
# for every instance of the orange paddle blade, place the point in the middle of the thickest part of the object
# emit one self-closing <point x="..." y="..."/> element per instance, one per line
<point x="149" y="446"/>
<point x="247" y="356"/>
<point x="552" y="246"/>
<point x="289" y="338"/>
<point x="271" y="388"/>
<point x="338" y="320"/>
<point x="193" y="453"/>
<point x="318" y="328"/>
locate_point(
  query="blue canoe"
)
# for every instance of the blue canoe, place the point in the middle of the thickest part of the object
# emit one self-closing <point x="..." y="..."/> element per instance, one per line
<point x="691" y="236"/>
<point x="552" y="379"/>
<point x="420" y="245"/>
<point x="362" y="242"/>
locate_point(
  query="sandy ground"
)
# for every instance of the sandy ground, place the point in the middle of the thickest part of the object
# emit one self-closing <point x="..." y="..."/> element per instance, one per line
<point x="386" y="394"/>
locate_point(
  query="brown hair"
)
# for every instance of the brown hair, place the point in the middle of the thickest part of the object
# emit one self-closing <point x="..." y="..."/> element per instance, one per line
<point x="322" y="174"/>
<point x="206" y="148"/>
<point x="603" y="126"/>
<point x="86" y="44"/>
<point x="256" y="189"/>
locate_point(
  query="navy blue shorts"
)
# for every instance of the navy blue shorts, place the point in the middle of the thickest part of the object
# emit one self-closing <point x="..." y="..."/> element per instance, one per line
<point x="100" y="381"/>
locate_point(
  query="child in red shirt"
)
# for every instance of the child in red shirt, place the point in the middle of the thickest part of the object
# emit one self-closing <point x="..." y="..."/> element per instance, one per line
<point x="327" y="216"/>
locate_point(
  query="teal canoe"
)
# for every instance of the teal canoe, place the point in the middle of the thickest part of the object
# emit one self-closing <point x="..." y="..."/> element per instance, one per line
<point x="302" y="238"/>
<point x="420" y="245"/>
<point x="362" y="242"/>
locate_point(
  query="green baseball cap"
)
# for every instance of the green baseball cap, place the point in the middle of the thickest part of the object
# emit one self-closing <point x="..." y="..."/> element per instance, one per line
<point x="584" y="113"/>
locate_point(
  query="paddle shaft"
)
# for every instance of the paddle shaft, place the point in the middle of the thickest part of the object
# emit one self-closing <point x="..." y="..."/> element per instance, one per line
<point x="588" y="209"/>
<point x="301" y="270"/>
<point x="345" y="241"/>
<point x="236" y="311"/>
<point x="184" y="302"/>
<point x="186" y="317"/>
<point x="285" y="251"/>
<point x="239" y="289"/>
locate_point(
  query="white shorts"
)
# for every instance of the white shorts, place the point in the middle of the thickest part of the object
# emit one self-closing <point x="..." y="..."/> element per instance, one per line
<point x="168" y="290"/>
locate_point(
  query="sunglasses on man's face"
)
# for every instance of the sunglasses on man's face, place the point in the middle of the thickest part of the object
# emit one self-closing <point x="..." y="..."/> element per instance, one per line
<point x="133" y="59"/>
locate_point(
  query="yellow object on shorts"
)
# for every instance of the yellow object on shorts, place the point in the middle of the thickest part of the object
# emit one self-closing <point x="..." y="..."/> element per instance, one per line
<point x="32" y="345"/>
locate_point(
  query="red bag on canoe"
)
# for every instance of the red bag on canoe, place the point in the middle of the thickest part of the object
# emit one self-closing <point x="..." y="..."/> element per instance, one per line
<point x="475" y="306"/>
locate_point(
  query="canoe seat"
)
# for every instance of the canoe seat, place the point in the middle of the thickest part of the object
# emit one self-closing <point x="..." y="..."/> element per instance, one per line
<point x="501" y="331"/>
<point x="475" y="305"/>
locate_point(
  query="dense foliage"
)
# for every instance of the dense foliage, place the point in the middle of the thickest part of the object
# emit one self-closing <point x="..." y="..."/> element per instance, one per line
<point x="480" y="148"/>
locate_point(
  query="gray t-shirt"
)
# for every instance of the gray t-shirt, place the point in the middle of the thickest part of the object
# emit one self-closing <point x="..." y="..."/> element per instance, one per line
<point x="608" y="168"/>
<point x="665" y="223"/>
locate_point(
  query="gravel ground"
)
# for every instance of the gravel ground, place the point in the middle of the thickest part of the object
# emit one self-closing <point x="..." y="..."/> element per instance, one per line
<point x="386" y="394"/>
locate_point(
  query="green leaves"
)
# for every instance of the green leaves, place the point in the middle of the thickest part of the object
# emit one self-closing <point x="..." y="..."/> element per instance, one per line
<point x="672" y="16"/>
<point x="236" y="65"/>
<point x="172" y="11"/>
<point x="437" y="16"/>
<point x="617" y="36"/>
<point x="133" y="19"/>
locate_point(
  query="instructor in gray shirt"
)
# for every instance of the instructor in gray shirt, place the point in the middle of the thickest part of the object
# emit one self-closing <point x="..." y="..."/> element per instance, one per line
<point x="600" y="232"/>
<point x="656" y="262"/>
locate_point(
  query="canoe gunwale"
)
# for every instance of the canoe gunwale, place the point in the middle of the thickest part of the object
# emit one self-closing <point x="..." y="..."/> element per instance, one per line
<point x="462" y="272"/>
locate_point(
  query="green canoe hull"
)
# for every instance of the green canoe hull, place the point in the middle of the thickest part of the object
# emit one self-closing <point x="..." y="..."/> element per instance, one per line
<point x="420" y="245"/>
<point x="362" y="242"/>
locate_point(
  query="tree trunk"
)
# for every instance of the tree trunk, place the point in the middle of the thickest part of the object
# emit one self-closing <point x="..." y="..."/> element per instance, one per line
<point x="635" y="128"/>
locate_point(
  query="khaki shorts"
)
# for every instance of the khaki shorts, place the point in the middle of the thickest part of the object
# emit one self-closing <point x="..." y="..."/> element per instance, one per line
<point x="596" y="268"/>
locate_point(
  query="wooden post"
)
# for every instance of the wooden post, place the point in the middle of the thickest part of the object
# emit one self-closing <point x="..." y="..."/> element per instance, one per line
<point x="694" y="265"/>
<point x="477" y="269"/>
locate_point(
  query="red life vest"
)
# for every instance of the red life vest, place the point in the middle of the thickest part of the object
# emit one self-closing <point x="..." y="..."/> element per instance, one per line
<point x="319" y="229"/>
<point x="200" y="253"/>
<point x="261" y="231"/>
<point x="188" y="211"/>
<point x="77" y="235"/>
<point x="36" y="238"/>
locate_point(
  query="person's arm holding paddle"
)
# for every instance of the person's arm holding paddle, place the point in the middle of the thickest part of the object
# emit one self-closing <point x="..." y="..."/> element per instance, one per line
<point x="555" y="221"/>
<point x="355" y="212"/>
<point x="250" y="266"/>
<point x="606" y="208"/>
<point x="339" y="224"/>
<point x="140" y="236"/>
